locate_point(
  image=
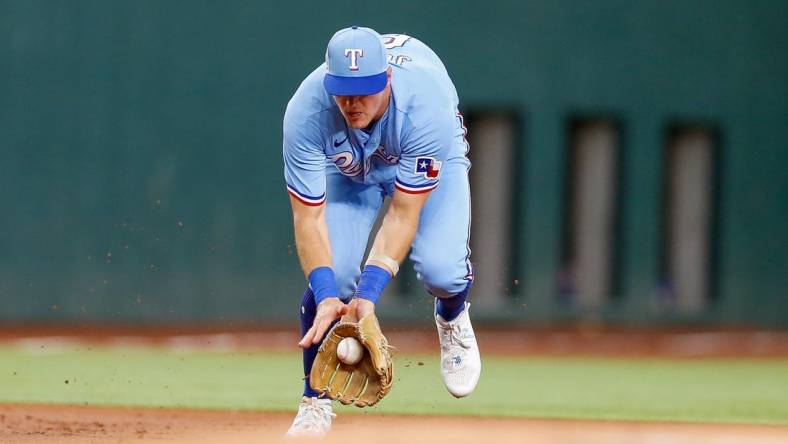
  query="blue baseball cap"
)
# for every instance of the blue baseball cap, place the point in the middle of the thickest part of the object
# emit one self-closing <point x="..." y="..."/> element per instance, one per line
<point x="356" y="61"/>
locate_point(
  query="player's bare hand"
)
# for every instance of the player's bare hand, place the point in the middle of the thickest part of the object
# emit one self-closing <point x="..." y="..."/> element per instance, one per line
<point x="357" y="309"/>
<point x="327" y="311"/>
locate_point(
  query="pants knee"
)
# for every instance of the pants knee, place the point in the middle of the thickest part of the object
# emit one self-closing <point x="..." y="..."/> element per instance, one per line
<point x="442" y="279"/>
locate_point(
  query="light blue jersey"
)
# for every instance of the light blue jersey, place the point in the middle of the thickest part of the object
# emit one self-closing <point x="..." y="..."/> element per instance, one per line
<point x="418" y="144"/>
<point x="407" y="148"/>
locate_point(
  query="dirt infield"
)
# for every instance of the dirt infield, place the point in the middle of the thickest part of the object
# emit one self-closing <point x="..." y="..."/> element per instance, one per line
<point x="33" y="424"/>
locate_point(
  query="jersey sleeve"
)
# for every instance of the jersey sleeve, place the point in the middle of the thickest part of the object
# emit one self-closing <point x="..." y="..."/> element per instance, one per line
<point x="304" y="160"/>
<point x="424" y="149"/>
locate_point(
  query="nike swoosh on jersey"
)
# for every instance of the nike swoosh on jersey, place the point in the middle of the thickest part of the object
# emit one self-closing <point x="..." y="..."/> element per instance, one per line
<point x="337" y="144"/>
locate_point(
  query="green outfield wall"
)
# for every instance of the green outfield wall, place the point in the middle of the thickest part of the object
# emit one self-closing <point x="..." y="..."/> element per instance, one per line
<point x="140" y="147"/>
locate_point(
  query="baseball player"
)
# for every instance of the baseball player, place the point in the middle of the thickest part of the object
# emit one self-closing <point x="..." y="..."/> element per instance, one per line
<point x="379" y="118"/>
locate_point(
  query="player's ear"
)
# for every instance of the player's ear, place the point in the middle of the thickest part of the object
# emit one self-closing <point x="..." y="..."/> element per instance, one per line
<point x="388" y="73"/>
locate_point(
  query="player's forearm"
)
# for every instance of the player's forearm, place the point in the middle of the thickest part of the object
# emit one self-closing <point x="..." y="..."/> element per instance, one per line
<point x="314" y="249"/>
<point x="311" y="236"/>
<point x="395" y="236"/>
<point x="391" y="244"/>
<point x="312" y="244"/>
<point x="399" y="227"/>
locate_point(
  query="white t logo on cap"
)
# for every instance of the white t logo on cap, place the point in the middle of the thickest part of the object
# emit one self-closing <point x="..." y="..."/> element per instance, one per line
<point x="354" y="54"/>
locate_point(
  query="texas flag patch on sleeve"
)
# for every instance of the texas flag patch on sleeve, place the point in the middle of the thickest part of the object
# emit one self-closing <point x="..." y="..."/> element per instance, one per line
<point x="428" y="167"/>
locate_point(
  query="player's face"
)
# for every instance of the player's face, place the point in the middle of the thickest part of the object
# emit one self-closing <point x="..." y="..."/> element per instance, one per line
<point x="361" y="111"/>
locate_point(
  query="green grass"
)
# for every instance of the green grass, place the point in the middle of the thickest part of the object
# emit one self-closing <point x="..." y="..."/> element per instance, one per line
<point x="721" y="390"/>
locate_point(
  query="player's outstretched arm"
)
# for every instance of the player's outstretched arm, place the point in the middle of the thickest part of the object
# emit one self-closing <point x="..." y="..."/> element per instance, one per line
<point x="311" y="235"/>
<point x="398" y="229"/>
<point x="314" y="252"/>
<point x="389" y="249"/>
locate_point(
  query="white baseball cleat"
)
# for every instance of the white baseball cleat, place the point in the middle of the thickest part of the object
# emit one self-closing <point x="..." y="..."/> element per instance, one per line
<point x="313" y="418"/>
<point x="461" y="364"/>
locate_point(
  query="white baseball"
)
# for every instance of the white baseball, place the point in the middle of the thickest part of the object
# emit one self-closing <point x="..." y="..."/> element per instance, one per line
<point x="350" y="351"/>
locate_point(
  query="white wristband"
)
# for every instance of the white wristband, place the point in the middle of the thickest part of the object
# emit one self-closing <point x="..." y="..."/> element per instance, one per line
<point x="390" y="263"/>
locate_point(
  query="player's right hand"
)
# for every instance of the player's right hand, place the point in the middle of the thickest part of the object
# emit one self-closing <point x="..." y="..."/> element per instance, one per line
<point x="327" y="311"/>
<point x="357" y="309"/>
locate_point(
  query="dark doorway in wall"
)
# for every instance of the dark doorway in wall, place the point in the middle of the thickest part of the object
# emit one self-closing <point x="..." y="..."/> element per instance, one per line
<point x="587" y="274"/>
<point x="689" y="206"/>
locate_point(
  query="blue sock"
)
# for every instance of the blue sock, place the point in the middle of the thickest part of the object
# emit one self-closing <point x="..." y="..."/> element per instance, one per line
<point x="308" y="313"/>
<point x="450" y="308"/>
<point x="308" y="310"/>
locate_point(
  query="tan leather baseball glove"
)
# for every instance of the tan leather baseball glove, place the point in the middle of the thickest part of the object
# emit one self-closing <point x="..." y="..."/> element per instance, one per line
<point x="364" y="383"/>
